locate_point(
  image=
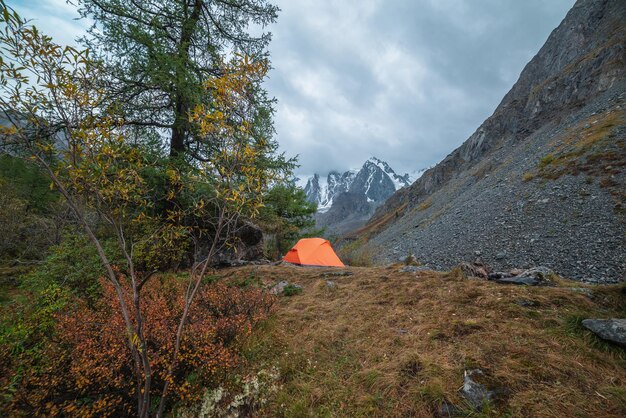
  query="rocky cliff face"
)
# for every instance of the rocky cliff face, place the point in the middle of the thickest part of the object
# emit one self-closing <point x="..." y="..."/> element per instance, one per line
<point x="540" y="181"/>
<point x="375" y="180"/>
<point x="347" y="200"/>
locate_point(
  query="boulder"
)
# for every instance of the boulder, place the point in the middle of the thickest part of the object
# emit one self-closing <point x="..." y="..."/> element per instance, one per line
<point x="248" y="246"/>
<point x="528" y="281"/>
<point x="613" y="330"/>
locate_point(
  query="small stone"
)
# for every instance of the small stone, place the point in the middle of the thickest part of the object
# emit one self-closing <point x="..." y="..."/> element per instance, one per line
<point x="331" y="285"/>
<point x="475" y="393"/>
<point x="501" y="256"/>
<point x="279" y="288"/>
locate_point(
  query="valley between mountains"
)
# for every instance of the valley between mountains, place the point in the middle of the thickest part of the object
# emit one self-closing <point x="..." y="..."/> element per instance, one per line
<point x="161" y="257"/>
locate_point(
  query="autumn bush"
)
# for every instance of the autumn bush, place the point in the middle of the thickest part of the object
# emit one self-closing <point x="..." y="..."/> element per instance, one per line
<point x="84" y="365"/>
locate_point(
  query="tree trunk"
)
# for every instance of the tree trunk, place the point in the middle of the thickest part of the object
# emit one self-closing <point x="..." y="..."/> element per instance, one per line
<point x="181" y="107"/>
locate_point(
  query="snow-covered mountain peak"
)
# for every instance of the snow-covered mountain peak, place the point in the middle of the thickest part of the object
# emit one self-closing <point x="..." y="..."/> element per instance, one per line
<point x="376" y="180"/>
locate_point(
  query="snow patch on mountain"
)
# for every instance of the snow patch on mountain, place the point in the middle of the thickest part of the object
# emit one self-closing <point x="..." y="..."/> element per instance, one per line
<point x="376" y="180"/>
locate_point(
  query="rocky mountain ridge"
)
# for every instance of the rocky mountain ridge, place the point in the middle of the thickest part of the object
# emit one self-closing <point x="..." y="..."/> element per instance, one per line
<point x="375" y="180"/>
<point x="347" y="200"/>
<point x="541" y="181"/>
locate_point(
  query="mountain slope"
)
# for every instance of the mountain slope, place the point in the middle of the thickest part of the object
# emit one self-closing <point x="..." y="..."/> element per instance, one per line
<point x="347" y="200"/>
<point x="375" y="180"/>
<point x="540" y="181"/>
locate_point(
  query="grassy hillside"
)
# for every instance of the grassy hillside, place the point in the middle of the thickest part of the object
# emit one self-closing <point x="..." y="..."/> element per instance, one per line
<point x="386" y="343"/>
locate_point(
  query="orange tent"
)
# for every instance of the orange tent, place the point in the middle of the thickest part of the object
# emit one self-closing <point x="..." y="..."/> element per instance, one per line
<point x="313" y="252"/>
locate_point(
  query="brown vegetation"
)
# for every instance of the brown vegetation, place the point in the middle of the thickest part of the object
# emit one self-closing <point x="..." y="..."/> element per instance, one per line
<point x="590" y="147"/>
<point x="384" y="343"/>
<point x="84" y="368"/>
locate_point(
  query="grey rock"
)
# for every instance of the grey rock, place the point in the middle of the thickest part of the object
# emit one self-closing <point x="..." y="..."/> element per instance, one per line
<point x="541" y="275"/>
<point x="249" y="246"/>
<point x="476" y="393"/>
<point x="331" y="285"/>
<point x="536" y="276"/>
<point x="500" y="256"/>
<point x="613" y="330"/>
<point x="279" y="287"/>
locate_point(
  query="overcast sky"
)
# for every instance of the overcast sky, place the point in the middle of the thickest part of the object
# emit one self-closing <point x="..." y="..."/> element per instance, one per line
<point x="403" y="80"/>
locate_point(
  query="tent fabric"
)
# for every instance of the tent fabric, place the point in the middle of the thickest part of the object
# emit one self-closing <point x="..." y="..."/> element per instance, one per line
<point x="313" y="252"/>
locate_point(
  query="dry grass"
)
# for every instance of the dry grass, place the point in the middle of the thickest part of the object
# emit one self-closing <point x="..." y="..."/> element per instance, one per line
<point x="385" y="343"/>
<point x="589" y="147"/>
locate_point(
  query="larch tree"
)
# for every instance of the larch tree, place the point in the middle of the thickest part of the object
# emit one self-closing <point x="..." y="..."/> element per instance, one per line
<point x="62" y="118"/>
<point x="159" y="53"/>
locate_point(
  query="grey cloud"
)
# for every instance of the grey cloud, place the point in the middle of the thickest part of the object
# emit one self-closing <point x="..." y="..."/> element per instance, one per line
<point x="404" y="80"/>
<point x="407" y="81"/>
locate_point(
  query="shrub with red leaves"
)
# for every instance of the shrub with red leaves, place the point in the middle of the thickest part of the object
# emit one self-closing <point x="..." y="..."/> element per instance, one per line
<point x="89" y="365"/>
